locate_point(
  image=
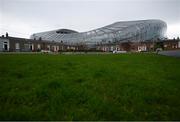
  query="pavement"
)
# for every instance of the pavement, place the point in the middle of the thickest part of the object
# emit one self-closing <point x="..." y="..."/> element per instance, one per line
<point x="174" y="53"/>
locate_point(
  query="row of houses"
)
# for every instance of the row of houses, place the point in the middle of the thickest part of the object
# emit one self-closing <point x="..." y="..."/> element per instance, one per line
<point x="168" y="44"/>
<point x="14" y="44"/>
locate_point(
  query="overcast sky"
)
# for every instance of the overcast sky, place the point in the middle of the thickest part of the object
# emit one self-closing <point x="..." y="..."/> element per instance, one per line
<point x="21" y="18"/>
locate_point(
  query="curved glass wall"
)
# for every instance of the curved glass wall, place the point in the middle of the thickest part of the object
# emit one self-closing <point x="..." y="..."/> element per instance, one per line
<point x="134" y="31"/>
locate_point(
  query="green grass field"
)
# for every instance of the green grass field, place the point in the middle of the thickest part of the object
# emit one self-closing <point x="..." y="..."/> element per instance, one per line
<point x="89" y="87"/>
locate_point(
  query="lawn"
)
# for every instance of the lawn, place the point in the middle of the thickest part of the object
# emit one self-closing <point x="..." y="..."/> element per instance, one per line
<point x="89" y="87"/>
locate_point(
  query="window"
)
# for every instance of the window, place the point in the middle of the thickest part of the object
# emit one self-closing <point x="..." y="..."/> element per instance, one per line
<point x="39" y="46"/>
<point x="48" y="47"/>
<point x="62" y="48"/>
<point x="54" y="47"/>
<point x="26" y="47"/>
<point x="17" y="46"/>
<point x="57" y="48"/>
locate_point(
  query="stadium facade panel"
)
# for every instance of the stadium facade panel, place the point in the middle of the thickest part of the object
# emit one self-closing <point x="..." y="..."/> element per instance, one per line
<point x="124" y="31"/>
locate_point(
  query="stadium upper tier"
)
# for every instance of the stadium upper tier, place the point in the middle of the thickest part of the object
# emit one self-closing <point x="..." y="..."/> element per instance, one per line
<point x="123" y="31"/>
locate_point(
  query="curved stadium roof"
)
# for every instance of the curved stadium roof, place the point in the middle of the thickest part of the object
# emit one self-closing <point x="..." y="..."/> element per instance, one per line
<point x="123" y="31"/>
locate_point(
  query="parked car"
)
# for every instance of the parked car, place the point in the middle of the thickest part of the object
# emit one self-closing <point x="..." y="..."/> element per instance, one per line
<point x="45" y="51"/>
<point x="115" y="51"/>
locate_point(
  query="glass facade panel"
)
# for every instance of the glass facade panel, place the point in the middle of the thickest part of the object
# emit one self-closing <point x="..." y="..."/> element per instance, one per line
<point x="120" y="31"/>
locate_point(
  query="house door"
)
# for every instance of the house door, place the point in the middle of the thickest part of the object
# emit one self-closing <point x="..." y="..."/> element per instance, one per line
<point x="30" y="47"/>
<point x="5" y="46"/>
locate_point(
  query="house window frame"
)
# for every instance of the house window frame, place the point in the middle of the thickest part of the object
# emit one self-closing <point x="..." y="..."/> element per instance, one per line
<point x="17" y="46"/>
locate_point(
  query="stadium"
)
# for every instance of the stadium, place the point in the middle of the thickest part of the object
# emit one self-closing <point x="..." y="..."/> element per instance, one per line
<point x="134" y="36"/>
<point x="134" y="31"/>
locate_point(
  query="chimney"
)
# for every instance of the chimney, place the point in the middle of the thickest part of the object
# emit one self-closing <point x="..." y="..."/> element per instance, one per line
<point x="6" y="34"/>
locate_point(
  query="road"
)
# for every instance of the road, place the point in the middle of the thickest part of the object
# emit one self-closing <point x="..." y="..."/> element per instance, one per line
<point x="174" y="53"/>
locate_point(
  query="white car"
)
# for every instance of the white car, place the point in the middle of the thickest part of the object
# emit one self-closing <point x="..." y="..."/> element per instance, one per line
<point x="115" y="51"/>
<point x="45" y="51"/>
